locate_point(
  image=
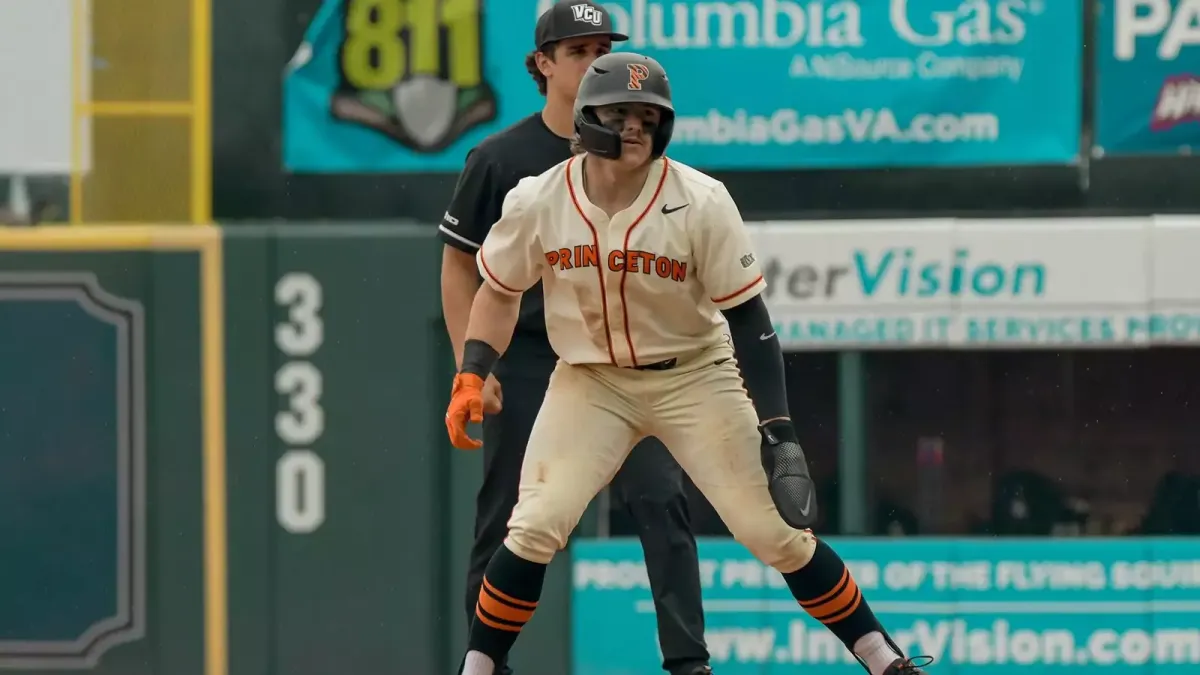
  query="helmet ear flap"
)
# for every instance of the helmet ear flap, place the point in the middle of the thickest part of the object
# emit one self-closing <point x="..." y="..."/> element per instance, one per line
<point x="596" y="138"/>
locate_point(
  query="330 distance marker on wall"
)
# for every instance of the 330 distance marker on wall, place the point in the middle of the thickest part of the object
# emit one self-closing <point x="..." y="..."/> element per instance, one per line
<point x="299" y="472"/>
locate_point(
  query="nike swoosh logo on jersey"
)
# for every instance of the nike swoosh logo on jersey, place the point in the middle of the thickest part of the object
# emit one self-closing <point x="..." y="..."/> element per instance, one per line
<point x="765" y="336"/>
<point x="668" y="210"/>
<point x="807" y="506"/>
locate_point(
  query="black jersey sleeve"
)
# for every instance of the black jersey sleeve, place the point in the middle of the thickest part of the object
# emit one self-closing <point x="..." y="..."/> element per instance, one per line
<point x="760" y="356"/>
<point x="475" y="205"/>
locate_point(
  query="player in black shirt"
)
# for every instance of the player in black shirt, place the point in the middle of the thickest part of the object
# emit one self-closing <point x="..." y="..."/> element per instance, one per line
<point x="568" y="37"/>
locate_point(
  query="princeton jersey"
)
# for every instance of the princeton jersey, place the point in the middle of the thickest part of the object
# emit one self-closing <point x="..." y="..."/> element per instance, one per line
<point x="646" y="285"/>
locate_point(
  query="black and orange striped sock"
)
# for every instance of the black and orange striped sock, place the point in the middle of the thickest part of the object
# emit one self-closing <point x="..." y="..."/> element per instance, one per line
<point x="825" y="589"/>
<point x="510" y="593"/>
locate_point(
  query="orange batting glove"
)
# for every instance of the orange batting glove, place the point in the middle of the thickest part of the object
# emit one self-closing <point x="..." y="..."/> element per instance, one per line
<point x="466" y="405"/>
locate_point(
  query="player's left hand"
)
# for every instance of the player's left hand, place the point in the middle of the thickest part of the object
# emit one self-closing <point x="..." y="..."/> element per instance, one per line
<point x="466" y="405"/>
<point x="791" y="486"/>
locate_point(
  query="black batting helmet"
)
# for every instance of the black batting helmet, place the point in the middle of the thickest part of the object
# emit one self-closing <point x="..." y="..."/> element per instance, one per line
<point x="622" y="77"/>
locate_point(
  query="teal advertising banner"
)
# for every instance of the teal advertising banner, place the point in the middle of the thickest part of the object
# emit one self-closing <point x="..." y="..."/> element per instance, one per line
<point x="977" y="606"/>
<point x="412" y="85"/>
<point x="1147" y="77"/>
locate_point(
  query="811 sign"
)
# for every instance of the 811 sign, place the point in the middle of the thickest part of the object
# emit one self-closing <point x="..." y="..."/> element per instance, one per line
<point x="299" y="472"/>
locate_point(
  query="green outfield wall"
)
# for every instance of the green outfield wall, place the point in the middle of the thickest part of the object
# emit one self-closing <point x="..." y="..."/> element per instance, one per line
<point x="223" y="453"/>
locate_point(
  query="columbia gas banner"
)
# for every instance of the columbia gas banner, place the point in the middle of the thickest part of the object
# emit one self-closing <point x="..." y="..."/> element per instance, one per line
<point x="412" y="85"/>
<point x="1147" y="76"/>
<point x="1088" y="282"/>
<point x="978" y="607"/>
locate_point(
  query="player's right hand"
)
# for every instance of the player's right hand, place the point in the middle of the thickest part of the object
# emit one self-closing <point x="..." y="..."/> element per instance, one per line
<point x="466" y="406"/>
<point x="493" y="396"/>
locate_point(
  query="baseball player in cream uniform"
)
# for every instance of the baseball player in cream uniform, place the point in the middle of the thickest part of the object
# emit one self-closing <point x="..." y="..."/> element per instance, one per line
<point x="651" y="286"/>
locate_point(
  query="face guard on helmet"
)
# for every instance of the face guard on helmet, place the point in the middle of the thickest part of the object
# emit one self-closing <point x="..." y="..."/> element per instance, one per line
<point x="622" y="77"/>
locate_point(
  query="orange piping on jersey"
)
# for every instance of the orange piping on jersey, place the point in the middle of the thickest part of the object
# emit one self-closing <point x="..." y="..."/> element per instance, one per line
<point x="493" y="276"/>
<point x="738" y="292"/>
<point x="625" y="267"/>
<point x="599" y="268"/>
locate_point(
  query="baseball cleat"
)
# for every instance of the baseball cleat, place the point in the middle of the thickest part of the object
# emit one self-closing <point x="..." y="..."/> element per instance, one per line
<point x="908" y="666"/>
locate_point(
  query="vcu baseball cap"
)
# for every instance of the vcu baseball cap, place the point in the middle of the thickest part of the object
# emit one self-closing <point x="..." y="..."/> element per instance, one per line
<point x="571" y="19"/>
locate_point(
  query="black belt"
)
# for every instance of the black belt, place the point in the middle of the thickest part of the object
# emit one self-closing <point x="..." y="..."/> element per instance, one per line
<point x="659" y="365"/>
